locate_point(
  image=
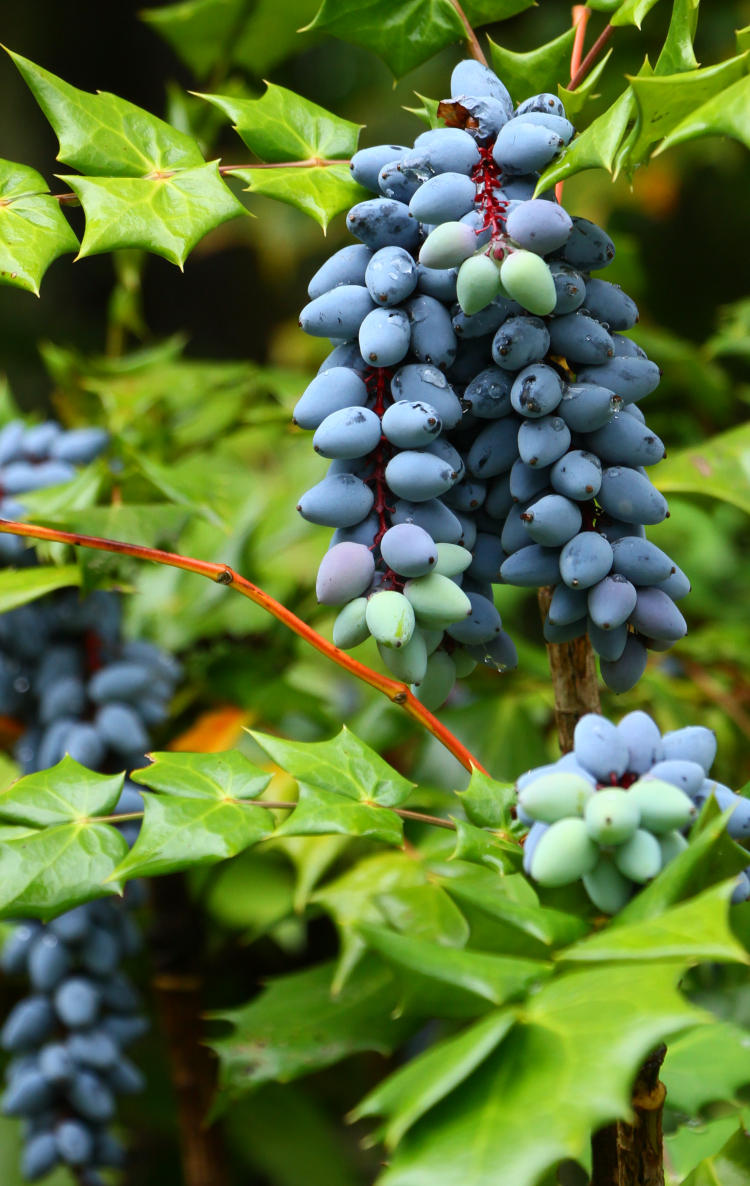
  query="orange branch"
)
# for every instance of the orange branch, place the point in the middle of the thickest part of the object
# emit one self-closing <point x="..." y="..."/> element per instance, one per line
<point x="581" y="16"/>
<point x="396" y="692"/>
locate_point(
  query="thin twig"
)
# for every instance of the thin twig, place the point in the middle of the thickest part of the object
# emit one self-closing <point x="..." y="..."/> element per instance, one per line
<point x="591" y="57"/>
<point x="581" y="17"/>
<point x="475" y="48"/>
<point x="222" y="574"/>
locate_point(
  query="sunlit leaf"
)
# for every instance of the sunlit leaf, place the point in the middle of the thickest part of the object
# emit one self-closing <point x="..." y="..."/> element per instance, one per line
<point x="707" y="1065"/>
<point x="60" y="794"/>
<point x="324" y="813"/>
<point x="321" y="191"/>
<point x="284" y="126"/>
<point x="726" y="114"/>
<point x="33" y="229"/>
<point x="540" y="69"/>
<point x="596" y="147"/>
<point x="43" y="873"/>
<point x="717" y="468"/>
<point x="19" y="586"/>
<point x="216" y="776"/>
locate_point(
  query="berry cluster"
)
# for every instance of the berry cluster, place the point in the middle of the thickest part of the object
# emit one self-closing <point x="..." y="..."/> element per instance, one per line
<point x="479" y="408"/>
<point x="613" y="811"/>
<point x="75" y="686"/>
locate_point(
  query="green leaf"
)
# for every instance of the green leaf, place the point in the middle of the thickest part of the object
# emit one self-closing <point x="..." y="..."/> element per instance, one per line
<point x="425" y="912"/>
<point x="46" y="872"/>
<point x="321" y="191"/>
<point x="729" y="1167"/>
<point x="691" y="1143"/>
<point x="199" y="31"/>
<point x="575" y="101"/>
<point x="743" y="39"/>
<point x="149" y="523"/>
<point x="408" y="1094"/>
<point x="324" y="813"/>
<point x="541" y="69"/>
<point x="182" y="833"/>
<point x="487" y="802"/>
<point x="493" y="978"/>
<point x="712" y="856"/>
<point x="344" y="765"/>
<point x="717" y="468"/>
<point x="33" y="229"/>
<point x="167" y="215"/>
<point x="297" y="1026"/>
<point x="677" y="53"/>
<point x="103" y="135"/>
<point x="707" y="1065"/>
<point x="663" y="101"/>
<point x="62" y="793"/>
<point x="596" y="148"/>
<point x="518" y="1114"/>
<point x="632" y="12"/>
<point x="474" y="844"/>
<point x="404" y="33"/>
<point x="726" y="114"/>
<point x="283" y="126"/>
<point x="694" y="931"/>
<point x="495" y="897"/>
<point x="427" y="112"/>
<point x="219" y="776"/>
<point x="19" y="586"/>
<point x="483" y="12"/>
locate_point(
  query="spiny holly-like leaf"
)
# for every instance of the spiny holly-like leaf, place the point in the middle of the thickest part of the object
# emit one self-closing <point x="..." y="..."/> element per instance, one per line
<point x="283" y="126"/>
<point x="575" y="101"/>
<point x="62" y="793"/>
<point x="694" y="931"/>
<point x="219" y="776"/>
<point x="425" y="912"/>
<point x="342" y="766"/>
<point x="517" y="1114"/>
<point x="42" y="873"/>
<point x="677" y="53"/>
<point x="33" y="229"/>
<point x="595" y="148"/>
<point x="663" y="101"/>
<point x="729" y="1167"/>
<point x="632" y="12"/>
<point x="488" y="802"/>
<point x="726" y="114"/>
<point x="17" y="587"/>
<point x="183" y="833"/>
<point x="203" y="32"/>
<point x="324" y="813"/>
<point x="167" y="215"/>
<point x="690" y="1144"/>
<point x="511" y="901"/>
<point x="484" y="848"/>
<point x="321" y="191"/>
<point x="493" y="978"/>
<point x="711" y="857"/>
<point x="427" y="112"/>
<point x="717" y="468"/>
<point x="404" y="32"/>
<point x="103" y="135"/>
<point x="538" y="70"/>
<point x="408" y="1094"/>
<point x="297" y="1026"/>
<point x="707" y="1065"/>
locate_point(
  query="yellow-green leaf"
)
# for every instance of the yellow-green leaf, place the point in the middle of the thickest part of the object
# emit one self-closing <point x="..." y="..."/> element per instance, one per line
<point x="33" y="229"/>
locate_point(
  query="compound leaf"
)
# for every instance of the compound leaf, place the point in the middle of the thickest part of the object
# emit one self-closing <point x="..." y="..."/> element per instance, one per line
<point x="61" y="794"/>
<point x="321" y="191"/>
<point x="284" y="126"/>
<point x="219" y="776"/>
<point x="324" y="813"/>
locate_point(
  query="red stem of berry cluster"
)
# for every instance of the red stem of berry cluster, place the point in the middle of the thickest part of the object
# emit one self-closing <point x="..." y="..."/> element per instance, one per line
<point x="222" y="574"/>
<point x="378" y="381"/>
<point x="486" y="177"/>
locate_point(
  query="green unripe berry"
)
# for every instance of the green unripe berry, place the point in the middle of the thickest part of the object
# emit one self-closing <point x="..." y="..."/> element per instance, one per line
<point x="438" y="680"/>
<point x="606" y="886"/>
<point x="663" y="807"/>
<point x="452" y="559"/>
<point x="612" y="816"/>
<point x="564" y="853"/>
<point x="527" y="279"/>
<point x="448" y="245"/>
<point x="639" y="858"/>
<point x="671" y="845"/>
<point x="552" y="797"/>
<point x="390" y="618"/>
<point x="477" y="284"/>
<point x="463" y="663"/>
<point x="437" y="600"/>
<point x="408" y="662"/>
<point x="350" y="628"/>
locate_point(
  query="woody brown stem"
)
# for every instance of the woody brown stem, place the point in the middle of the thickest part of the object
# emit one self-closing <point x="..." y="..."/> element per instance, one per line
<point x="573" y="672"/>
<point x="633" y="1154"/>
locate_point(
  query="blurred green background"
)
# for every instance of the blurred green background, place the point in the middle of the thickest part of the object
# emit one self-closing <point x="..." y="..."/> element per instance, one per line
<point x="196" y="374"/>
